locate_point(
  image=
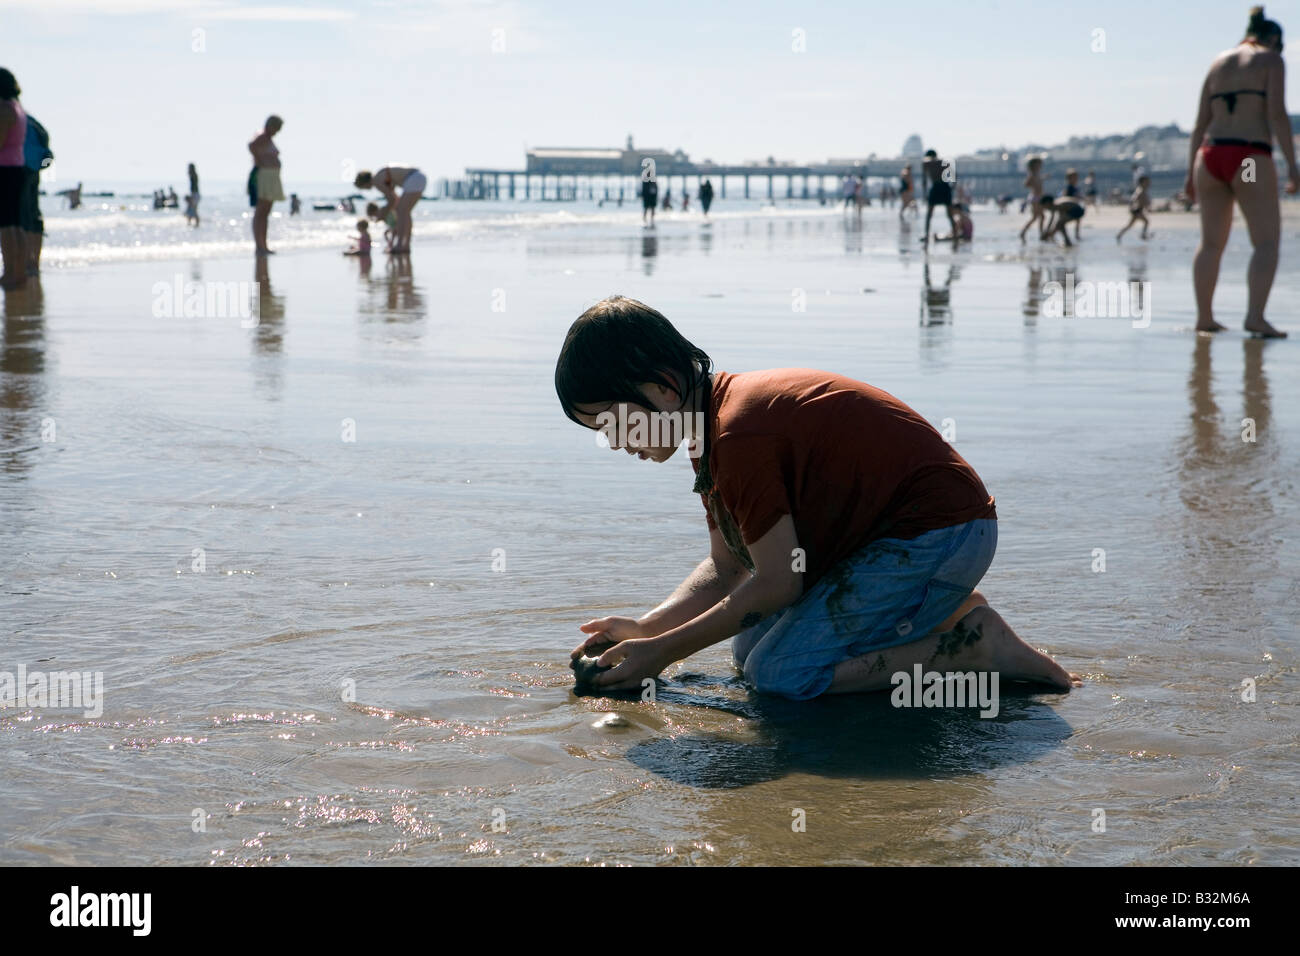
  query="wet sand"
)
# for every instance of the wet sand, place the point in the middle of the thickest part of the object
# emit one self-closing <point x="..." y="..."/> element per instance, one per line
<point x="369" y="564"/>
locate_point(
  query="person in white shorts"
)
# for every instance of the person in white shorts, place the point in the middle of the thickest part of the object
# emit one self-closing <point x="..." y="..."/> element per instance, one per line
<point x="388" y="180"/>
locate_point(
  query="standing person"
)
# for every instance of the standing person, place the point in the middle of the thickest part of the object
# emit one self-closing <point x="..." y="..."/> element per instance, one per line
<point x="387" y="180"/>
<point x="13" y="173"/>
<point x="847" y="190"/>
<point x="36" y="156"/>
<point x="649" y="199"/>
<point x="706" y="197"/>
<point x="1242" y="110"/>
<point x="295" y="204"/>
<point x="1090" y="188"/>
<point x="907" y="194"/>
<point x="1137" y="169"/>
<point x="668" y="198"/>
<point x="686" y="198"/>
<point x="939" y="194"/>
<point x="192" y="200"/>
<point x="1137" y="207"/>
<point x="1073" y="191"/>
<point x="1034" y="183"/>
<point x="264" y="188"/>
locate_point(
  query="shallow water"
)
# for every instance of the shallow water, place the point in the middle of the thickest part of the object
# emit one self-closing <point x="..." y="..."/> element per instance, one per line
<point x="371" y="561"/>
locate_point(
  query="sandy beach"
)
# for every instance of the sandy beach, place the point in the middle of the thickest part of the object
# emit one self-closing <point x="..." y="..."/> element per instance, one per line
<point x="331" y="562"/>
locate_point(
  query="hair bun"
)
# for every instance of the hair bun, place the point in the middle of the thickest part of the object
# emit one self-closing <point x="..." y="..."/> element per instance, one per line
<point x="1256" y="16"/>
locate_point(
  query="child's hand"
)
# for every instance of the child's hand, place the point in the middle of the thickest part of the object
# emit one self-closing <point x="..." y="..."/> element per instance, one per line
<point x="607" y="630"/>
<point x="633" y="661"/>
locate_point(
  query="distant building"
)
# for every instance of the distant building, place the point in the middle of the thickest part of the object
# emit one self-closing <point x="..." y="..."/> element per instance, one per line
<point x="600" y="161"/>
<point x="914" y="145"/>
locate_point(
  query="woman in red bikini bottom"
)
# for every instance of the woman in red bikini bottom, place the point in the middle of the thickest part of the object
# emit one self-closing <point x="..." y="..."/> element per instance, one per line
<point x="1231" y="160"/>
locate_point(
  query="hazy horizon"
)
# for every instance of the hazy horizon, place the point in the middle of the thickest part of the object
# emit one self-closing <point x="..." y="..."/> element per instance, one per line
<point x="446" y="84"/>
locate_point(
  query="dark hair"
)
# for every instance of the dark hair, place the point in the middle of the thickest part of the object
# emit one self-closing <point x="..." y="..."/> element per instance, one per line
<point x="930" y="152"/>
<point x="8" y="86"/>
<point x="616" y="346"/>
<point x="1261" y="28"/>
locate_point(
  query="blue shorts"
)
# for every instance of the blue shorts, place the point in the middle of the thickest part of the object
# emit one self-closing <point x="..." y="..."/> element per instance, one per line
<point x="891" y="592"/>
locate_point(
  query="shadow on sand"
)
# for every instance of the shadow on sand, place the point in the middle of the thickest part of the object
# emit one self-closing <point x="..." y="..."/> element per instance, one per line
<point x="853" y="736"/>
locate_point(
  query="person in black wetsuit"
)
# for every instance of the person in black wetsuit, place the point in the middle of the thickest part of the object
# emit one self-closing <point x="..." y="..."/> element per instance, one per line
<point x="940" y="194"/>
<point x="649" y="199"/>
<point x="706" y="196"/>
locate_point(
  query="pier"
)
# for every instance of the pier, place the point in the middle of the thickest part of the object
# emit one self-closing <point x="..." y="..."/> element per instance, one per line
<point x="568" y="174"/>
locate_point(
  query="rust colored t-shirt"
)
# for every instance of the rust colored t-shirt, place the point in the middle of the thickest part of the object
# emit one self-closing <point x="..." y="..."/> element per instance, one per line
<point x="849" y="462"/>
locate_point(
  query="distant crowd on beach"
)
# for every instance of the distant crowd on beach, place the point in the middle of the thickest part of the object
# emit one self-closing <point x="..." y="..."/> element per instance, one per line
<point x="1241" y="114"/>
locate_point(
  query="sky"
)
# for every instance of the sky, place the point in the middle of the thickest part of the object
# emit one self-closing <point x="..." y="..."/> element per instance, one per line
<point x="132" y="90"/>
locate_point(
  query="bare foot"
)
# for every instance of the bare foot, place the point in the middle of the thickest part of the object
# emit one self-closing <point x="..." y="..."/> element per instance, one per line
<point x="1209" y="325"/>
<point x="1260" y="329"/>
<point x="1011" y="657"/>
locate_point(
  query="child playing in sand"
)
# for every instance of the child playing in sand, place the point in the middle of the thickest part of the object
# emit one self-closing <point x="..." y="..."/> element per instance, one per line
<point x="1138" y="206"/>
<point x="846" y="537"/>
<point x="1034" y="182"/>
<point x="1060" y="212"/>
<point x="389" y="219"/>
<point x="965" y="225"/>
<point x="362" y="247"/>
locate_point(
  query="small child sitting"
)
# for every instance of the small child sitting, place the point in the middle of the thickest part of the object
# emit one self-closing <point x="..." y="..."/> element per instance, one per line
<point x="965" y="225"/>
<point x="362" y="247"/>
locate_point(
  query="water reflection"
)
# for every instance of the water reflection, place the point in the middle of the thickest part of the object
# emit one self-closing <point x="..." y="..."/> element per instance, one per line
<point x="936" y="304"/>
<point x="1042" y="273"/>
<point x="1137" y="278"/>
<point x="268" y="336"/>
<point x="853" y="234"/>
<point x="649" y="249"/>
<point x="859" y="736"/>
<point x="392" y="301"/>
<point x="23" y="426"/>
<point x="1228" y="474"/>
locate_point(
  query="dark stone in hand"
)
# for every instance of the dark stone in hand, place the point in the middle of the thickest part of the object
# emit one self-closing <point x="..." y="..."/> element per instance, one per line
<point x="585" y="670"/>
